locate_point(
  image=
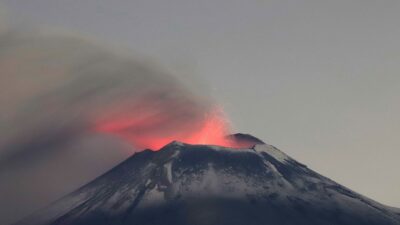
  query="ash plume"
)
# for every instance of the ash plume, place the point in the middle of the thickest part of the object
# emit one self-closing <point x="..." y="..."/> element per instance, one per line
<point x="70" y="108"/>
<point x="54" y="85"/>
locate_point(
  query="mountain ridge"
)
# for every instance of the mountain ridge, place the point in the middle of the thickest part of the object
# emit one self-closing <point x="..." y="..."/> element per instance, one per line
<point x="215" y="185"/>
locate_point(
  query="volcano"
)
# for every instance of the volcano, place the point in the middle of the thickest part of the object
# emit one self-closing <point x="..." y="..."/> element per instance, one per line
<point x="184" y="184"/>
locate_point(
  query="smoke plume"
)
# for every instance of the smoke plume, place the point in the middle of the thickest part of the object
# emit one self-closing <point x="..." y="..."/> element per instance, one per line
<point x="56" y="88"/>
<point x="70" y="108"/>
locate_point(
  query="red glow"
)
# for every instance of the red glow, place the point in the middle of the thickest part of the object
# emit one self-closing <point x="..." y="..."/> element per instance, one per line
<point x="155" y="130"/>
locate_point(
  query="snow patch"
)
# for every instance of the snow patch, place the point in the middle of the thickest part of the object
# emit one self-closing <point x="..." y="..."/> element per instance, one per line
<point x="168" y="170"/>
<point x="152" y="197"/>
<point x="272" y="151"/>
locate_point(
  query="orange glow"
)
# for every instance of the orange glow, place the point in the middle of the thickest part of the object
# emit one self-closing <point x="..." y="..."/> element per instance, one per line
<point x="153" y="131"/>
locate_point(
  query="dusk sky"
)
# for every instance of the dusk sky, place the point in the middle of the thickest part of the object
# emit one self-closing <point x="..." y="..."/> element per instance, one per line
<point x="320" y="80"/>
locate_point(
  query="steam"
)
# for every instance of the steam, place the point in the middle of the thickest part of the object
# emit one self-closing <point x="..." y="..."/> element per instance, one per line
<point x="70" y="108"/>
<point x="55" y="88"/>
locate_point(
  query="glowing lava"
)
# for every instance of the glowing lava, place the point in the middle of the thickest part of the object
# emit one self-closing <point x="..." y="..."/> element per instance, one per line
<point x="155" y="130"/>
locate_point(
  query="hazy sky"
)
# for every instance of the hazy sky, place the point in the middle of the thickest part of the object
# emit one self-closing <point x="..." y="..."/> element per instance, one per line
<point x="318" y="79"/>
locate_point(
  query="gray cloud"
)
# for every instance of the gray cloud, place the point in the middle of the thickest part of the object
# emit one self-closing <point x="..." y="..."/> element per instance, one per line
<point x="55" y="91"/>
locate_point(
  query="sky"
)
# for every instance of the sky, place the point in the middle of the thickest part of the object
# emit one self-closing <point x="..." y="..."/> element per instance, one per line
<point x="317" y="79"/>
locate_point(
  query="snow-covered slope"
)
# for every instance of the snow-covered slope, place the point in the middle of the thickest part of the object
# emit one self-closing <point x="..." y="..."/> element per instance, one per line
<point x="199" y="184"/>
